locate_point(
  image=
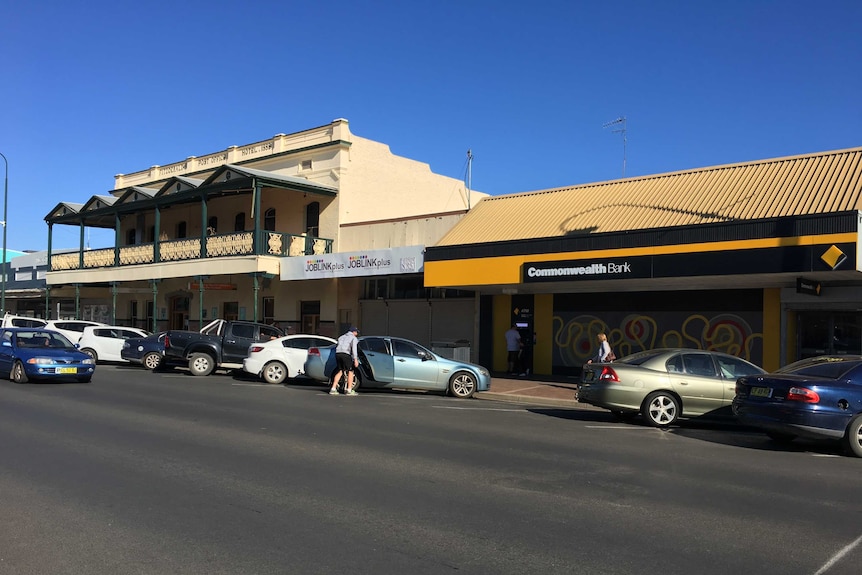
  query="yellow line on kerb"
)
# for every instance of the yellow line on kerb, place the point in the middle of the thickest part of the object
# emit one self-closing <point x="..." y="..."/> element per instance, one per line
<point x="507" y="269"/>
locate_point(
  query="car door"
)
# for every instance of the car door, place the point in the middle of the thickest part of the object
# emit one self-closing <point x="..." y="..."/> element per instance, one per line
<point x="108" y="342"/>
<point x="415" y="367"/>
<point x="695" y="379"/>
<point x="6" y="353"/>
<point x="376" y="360"/>
<point x="235" y="343"/>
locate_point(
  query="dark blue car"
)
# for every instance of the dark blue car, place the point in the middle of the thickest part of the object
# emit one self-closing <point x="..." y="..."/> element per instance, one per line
<point x="32" y="354"/>
<point x="147" y="351"/>
<point x="815" y="398"/>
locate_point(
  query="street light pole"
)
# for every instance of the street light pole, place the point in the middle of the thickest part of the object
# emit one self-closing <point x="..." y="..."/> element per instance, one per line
<point x="5" y="205"/>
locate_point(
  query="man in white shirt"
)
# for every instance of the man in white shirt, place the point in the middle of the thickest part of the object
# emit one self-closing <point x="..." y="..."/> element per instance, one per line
<point x="346" y="360"/>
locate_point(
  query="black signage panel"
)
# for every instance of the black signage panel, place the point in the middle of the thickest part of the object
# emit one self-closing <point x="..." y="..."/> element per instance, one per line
<point x="786" y="259"/>
<point x="807" y="286"/>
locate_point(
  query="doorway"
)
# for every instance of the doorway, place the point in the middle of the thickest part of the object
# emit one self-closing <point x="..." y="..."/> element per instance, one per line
<point x="180" y="312"/>
<point x="310" y="317"/>
<point x="828" y="333"/>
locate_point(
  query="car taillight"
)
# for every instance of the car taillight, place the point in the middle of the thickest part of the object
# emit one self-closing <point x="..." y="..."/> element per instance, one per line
<point x="802" y="394"/>
<point x="255" y="349"/>
<point x="313" y="351"/>
<point x="167" y="341"/>
<point x="608" y="374"/>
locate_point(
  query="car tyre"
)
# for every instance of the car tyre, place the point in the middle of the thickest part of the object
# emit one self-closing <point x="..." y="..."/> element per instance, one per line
<point x="18" y="375"/>
<point x="91" y="353"/>
<point x="853" y="436"/>
<point x="274" y="372"/>
<point x="201" y="364"/>
<point x="462" y="385"/>
<point x="152" y="360"/>
<point x="660" y="409"/>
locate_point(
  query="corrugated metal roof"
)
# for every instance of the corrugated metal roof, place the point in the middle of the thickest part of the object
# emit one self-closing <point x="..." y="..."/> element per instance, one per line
<point x="797" y="185"/>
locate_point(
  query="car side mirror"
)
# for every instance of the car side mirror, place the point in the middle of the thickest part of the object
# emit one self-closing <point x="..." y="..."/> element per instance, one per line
<point x="424" y="356"/>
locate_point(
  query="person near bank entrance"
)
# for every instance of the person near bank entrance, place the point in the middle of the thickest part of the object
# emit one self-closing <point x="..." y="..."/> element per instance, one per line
<point x="602" y="355"/>
<point x="346" y="360"/>
<point x="513" y="348"/>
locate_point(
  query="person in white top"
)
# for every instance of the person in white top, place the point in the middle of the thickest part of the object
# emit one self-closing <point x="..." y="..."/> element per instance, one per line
<point x="513" y="348"/>
<point x="604" y="350"/>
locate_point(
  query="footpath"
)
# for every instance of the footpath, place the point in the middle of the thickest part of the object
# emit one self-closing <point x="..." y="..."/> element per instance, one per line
<point x="533" y="390"/>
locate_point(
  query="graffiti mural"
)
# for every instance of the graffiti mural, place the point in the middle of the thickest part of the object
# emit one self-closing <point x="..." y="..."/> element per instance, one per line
<point x="574" y="339"/>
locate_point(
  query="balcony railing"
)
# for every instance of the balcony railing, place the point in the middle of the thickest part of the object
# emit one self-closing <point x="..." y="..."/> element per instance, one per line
<point x="217" y="246"/>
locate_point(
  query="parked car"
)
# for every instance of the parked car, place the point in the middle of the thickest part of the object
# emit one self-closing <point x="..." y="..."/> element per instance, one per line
<point x="147" y="351"/>
<point x="105" y="342"/>
<point x="393" y="362"/>
<point x="71" y="328"/>
<point x="815" y="398"/>
<point x="281" y="358"/>
<point x="10" y="320"/>
<point x="35" y="353"/>
<point x="665" y="384"/>
<point x="221" y="343"/>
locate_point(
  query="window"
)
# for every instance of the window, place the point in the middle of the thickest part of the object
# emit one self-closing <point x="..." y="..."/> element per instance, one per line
<point x="130" y="237"/>
<point x="212" y="226"/>
<point x="243" y="330"/>
<point x="267" y="333"/>
<point x="409" y="287"/>
<point x="312" y="219"/>
<point x="377" y="288"/>
<point x="239" y="222"/>
<point x="733" y="367"/>
<point x="374" y="345"/>
<point x="407" y="349"/>
<point x="698" y="364"/>
<point x="181" y="230"/>
<point x="151" y="234"/>
<point x="269" y="219"/>
<point x="306" y="164"/>
<point x="231" y="311"/>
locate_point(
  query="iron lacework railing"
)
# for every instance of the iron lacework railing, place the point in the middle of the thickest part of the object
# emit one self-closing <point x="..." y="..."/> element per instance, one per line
<point x="215" y="246"/>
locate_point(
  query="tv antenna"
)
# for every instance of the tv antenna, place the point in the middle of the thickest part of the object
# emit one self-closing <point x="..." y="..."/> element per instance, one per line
<point x="469" y="175"/>
<point x="619" y="121"/>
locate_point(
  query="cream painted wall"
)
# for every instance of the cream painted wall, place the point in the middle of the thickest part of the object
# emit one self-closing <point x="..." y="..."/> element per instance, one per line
<point x="412" y="232"/>
<point x="378" y="185"/>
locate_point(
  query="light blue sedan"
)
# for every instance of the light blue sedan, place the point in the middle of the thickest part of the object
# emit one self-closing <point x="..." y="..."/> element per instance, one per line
<point x="392" y="362"/>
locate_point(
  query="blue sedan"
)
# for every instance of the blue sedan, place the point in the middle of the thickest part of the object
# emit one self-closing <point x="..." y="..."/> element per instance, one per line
<point x="393" y="362"/>
<point x="28" y="353"/>
<point x="815" y="398"/>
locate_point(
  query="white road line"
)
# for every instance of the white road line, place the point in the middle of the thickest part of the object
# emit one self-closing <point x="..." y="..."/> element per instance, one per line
<point x="838" y="556"/>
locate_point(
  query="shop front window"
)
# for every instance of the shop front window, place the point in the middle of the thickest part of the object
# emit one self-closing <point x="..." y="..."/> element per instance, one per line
<point x="826" y="333"/>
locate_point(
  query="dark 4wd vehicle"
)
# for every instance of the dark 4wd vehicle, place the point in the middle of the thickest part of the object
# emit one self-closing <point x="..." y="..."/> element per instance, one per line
<point x="220" y="344"/>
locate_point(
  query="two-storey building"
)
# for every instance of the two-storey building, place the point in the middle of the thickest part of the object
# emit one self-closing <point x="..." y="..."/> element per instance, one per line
<point x="283" y="230"/>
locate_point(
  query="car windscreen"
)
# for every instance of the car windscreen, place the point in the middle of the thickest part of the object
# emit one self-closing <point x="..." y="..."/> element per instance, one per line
<point x="640" y="357"/>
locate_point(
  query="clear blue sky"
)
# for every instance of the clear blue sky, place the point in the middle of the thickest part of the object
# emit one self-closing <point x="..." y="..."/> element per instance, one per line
<point x="90" y="91"/>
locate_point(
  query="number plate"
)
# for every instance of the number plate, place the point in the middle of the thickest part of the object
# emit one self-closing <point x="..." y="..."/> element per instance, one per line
<point x="761" y="391"/>
<point x="67" y="370"/>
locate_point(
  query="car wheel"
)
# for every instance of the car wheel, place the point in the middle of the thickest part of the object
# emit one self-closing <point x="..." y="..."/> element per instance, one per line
<point x="853" y="436"/>
<point x="201" y="364"/>
<point x="782" y="438"/>
<point x="462" y="385"/>
<point x="274" y="372"/>
<point x="660" y="409"/>
<point x="152" y="360"/>
<point x="85" y="379"/>
<point x="91" y="353"/>
<point x="18" y="374"/>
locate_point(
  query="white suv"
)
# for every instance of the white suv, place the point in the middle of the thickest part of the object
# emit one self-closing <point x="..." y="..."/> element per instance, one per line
<point x="105" y="342"/>
<point x="71" y="328"/>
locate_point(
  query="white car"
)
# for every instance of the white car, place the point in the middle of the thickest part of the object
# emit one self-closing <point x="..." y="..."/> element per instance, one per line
<point x="10" y="320"/>
<point x="105" y="342"/>
<point x="283" y="357"/>
<point x="71" y="328"/>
